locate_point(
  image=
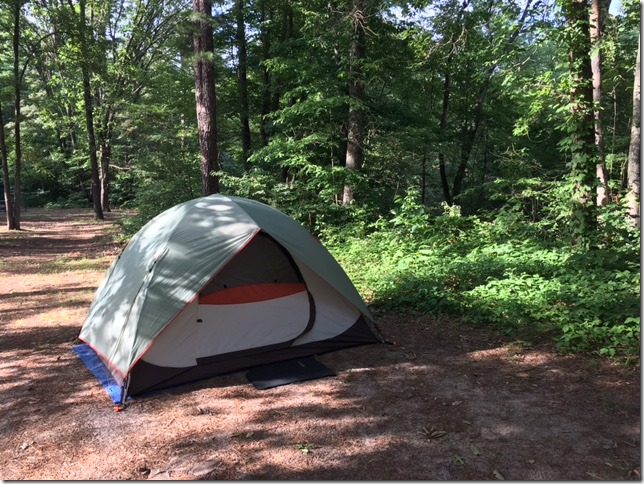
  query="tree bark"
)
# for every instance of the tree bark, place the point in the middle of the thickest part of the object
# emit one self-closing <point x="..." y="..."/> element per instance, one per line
<point x="106" y="158"/>
<point x="442" y="165"/>
<point x="265" y="107"/>
<point x="242" y="82"/>
<point x="17" y="189"/>
<point x="583" y="152"/>
<point x="468" y="138"/>
<point x="104" y="134"/>
<point x="89" y="114"/>
<point x="423" y="179"/>
<point x="471" y="127"/>
<point x="596" y="33"/>
<point x="443" y="126"/>
<point x="634" y="148"/>
<point x="104" y="140"/>
<point x="4" y="154"/>
<point x="356" y="124"/>
<point x="205" y="96"/>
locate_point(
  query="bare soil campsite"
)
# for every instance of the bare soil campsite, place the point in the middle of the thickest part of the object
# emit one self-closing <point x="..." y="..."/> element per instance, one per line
<point x="446" y="400"/>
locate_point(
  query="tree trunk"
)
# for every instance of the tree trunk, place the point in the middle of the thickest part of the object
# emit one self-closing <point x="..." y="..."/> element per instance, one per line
<point x="265" y="107"/>
<point x="442" y="168"/>
<point x="17" y="189"/>
<point x="89" y="114"/>
<point x="583" y="152"/>
<point x="105" y="142"/>
<point x="443" y="126"/>
<point x="205" y="96"/>
<point x="11" y="223"/>
<point x="106" y="155"/>
<point x="423" y="179"/>
<point x="468" y="138"/>
<point x="356" y="124"/>
<point x="288" y="32"/>
<point x="596" y="33"/>
<point x="242" y="83"/>
<point x="470" y="128"/>
<point x="105" y="124"/>
<point x="634" y="148"/>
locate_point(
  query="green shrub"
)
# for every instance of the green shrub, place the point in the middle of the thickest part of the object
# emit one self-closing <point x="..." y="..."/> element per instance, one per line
<point x="504" y="270"/>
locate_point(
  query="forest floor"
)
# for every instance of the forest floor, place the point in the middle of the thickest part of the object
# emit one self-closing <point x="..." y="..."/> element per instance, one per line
<point x="448" y="401"/>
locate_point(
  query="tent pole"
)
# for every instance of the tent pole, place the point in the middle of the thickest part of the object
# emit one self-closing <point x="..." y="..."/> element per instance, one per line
<point x="121" y="404"/>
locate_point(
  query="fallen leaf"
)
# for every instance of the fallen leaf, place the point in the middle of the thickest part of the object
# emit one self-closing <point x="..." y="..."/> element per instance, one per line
<point x="306" y="447"/>
<point x="432" y="433"/>
<point x="457" y="402"/>
<point x="243" y="434"/>
<point x="498" y="475"/>
<point x="202" y="469"/>
<point x="475" y="450"/>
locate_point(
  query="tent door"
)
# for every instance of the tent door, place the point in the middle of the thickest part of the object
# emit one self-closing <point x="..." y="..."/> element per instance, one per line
<point x="231" y="325"/>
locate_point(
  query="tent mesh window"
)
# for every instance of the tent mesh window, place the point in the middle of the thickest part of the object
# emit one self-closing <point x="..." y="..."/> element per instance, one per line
<point x="262" y="261"/>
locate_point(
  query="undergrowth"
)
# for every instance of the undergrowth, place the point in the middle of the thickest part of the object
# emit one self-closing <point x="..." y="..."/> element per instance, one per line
<point x="521" y="276"/>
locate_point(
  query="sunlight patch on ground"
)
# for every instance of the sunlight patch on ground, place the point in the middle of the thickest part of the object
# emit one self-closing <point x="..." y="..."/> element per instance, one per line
<point x="532" y="357"/>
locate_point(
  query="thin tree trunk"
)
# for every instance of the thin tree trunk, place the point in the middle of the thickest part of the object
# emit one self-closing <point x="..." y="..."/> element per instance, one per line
<point x="356" y="124"/>
<point x="470" y="129"/>
<point x="443" y="126"/>
<point x="11" y="223"/>
<point x="265" y="107"/>
<point x="205" y="96"/>
<point x="467" y="144"/>
<point x="17" y="194"/>
<point x="634" y="148"/>
<point x="105" y="142"/>
<point x="288" y="32"/>
<point x="596" y="33"/>
<point x="105" y="128"/>
<point x="442" y="165"/>
<point x="89" y="113"/>
<point x="242" y="81"/>
<point x="423" y="179"/>
<point x="106" y="155"/>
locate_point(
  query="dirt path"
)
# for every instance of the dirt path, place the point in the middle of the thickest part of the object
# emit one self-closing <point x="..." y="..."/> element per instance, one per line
<point x="448" y="401"/>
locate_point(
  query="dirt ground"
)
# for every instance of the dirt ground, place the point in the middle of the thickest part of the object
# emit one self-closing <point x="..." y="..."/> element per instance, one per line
<point x="448" y="400"/>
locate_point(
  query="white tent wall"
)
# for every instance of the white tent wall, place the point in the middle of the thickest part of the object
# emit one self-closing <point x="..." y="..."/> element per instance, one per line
<point x="205" y="330"/>
<point x="333" y="313"/>
<point x="232" y="327"/>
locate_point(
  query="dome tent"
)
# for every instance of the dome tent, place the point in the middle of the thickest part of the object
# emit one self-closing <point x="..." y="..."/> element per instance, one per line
<point x="215" y="285"/>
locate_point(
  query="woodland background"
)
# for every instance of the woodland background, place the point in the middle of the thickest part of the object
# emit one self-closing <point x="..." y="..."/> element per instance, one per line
<point x="466" y="157"/>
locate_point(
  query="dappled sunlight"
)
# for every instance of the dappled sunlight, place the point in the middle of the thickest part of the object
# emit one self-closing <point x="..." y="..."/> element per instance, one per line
<point x="519" y="356"/>
<point x="446" y="400"/>
<point x="25" y="306"/>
